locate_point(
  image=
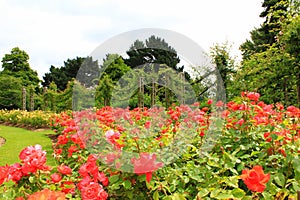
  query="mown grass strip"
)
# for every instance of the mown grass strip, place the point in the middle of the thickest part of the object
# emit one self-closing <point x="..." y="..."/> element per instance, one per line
<point x="17" y="139"/>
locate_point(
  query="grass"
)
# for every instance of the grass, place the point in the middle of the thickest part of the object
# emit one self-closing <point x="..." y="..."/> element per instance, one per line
<point x="17" y="139"/>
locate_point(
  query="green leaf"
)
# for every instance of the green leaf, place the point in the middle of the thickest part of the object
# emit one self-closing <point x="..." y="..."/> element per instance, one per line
<point x="240" y="167"/>
<point x="177" y="196"/>
<point x="279" y="179"/>
<point x="185" y="179"/>
<point x="203" y="192"/>
<point x="214" y="193"/>
<point x="253" y="153"/>
<point x="74" y="156"/>
<point x="238" y="193"/>
<point x="127" y="184"/>
<point x="9" y="183"/>
<point x="232" y="181"/>
<point x="247" y="198"/>
<point x="274" y="136"/>
<point x="155" y="195"/>
<point x="31" y="179"/>
<point x="296" y="185"/>
<point x="224" y="195"/>
<point x="9" y="194"/>
<point x="267" y="195"/>
<point x="296" y="164"/>
<point x="114" y="178"/>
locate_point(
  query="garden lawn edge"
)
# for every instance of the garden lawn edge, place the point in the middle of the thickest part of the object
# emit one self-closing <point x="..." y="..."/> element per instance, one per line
<point x="18" y="138"/>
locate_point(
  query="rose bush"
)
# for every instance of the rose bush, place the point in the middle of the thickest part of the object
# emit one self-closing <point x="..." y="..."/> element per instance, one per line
<point x="250" y="150"/>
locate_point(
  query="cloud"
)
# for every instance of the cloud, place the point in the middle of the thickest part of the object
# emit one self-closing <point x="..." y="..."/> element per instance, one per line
<point x="53" y="31"/>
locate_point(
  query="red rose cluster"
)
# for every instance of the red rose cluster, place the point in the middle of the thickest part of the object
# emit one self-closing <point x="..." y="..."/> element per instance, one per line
<point x="90" y="186"/>
<point x="32" y="159"/>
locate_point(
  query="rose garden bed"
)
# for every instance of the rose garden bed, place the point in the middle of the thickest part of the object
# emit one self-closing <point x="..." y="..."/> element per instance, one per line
<point x="242" y="150"/>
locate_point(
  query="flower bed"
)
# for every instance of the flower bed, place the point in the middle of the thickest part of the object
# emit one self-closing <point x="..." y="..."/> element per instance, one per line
<point x="250" y="150"/>
<point x="33" y="119"/>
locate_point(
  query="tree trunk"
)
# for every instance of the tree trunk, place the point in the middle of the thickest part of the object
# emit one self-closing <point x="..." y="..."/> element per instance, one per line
<point x="24" y="98"/>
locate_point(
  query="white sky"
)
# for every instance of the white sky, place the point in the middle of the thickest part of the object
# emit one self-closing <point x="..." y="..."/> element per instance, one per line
<point x="51" y="31"/>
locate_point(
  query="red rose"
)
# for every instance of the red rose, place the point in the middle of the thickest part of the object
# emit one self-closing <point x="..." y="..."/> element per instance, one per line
<point x="147" y="124"/>
<point x="146" y="164"/>
<point x="55" y="177"/>
<point x="62" y="139"/>
<point x="202" y="134"/>
<point x="64" y="169"/>
<point x="93" y="191"/>
<point x="253" y="96"/>
<point x="219" y="104"/>
<point x="83" y="171"/>
<point x="209" y="101"/>
<point x="58" y="151"/>
<point x="102" y="178"/>
<point x="47" y="194"/>
<point x="255" y="179"/>
<point x="71" y="150"/>
<point x="3" y="173"/>
<point x="205" y="109"/>
<point x="15" y="172"/>
<point x="33" y="159"/>
<point x="68" y="187"/>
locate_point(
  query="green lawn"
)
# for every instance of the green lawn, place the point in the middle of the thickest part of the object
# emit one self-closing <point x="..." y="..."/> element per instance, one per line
<point x="18" y="138"/>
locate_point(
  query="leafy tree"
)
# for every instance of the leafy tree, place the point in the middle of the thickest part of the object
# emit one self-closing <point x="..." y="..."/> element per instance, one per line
<point x="89" y="72"/>
<point x="290" y="41"/>
<point x="154" y="50"/>
<point x="275" y="12"/>
<point x="172" y="84"/>
<point x="104" y="91"/>
<point x="16" y="64"/>
<point x="84" y="70"/>
<point x="10" y="92"/>
<point x="114" y="66"/>
<point x="113" y="69"/>
<point x="61" y="76"/>
<point x="220" y="54"/>
<point x="273" y="71"/>
<point x="271" y="74"/>
<point x="54" y="76"/>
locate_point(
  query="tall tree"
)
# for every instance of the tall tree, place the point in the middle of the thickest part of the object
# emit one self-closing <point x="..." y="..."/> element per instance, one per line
<point x="271" y="74"/>
<point x="61" y="76"/>
<point x="290" y="41"/>
<point x="89" y="72"/>
<point x="84" y="70"/>
<point x="220" y="54"/>
<point x="274" y="69"/>
<point x="275" y="73"/>
<point x="113" y="69"/>
<point x="274" y="13"/>
<point x="10" y="92"/>
<point x="154" y="50"/>
<point x="17" y="64"/>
